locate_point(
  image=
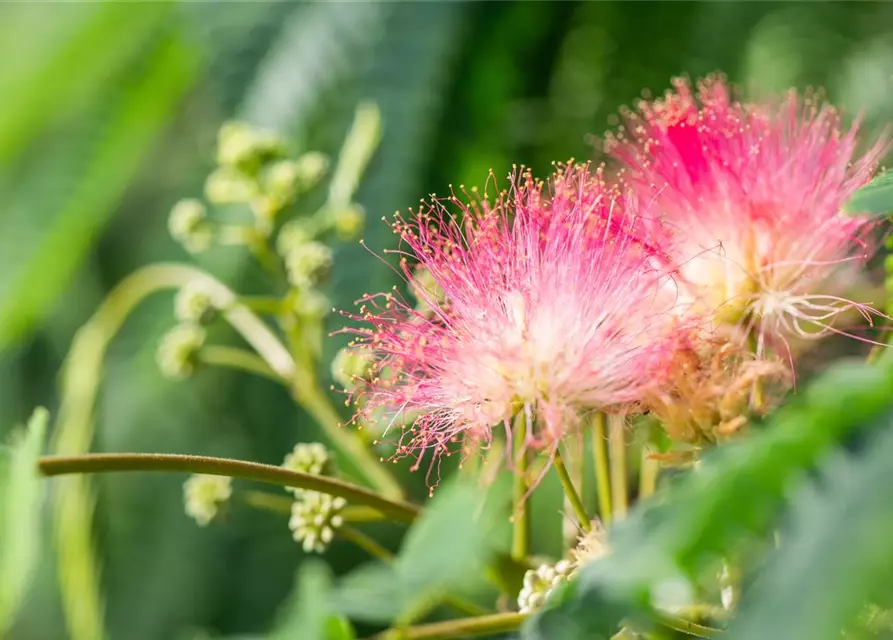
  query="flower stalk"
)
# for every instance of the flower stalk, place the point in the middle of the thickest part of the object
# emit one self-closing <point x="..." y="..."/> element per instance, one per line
<point x="571" y="492"/>
<point x="399" y="511"/>
<point x="520" y="512"/>
<point x="602" y="470"/>
<point x="617" y="454"/>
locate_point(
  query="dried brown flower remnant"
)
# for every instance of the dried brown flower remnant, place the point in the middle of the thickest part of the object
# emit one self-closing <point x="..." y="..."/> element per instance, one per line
<point x="715" y="387"/>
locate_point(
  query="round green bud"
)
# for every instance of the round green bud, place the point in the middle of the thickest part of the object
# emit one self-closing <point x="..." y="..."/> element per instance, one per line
<point x="228" y="186"/>
<point x="349" y="221"/>
<point x="188" y="225"/>
<point x="351" y="364"/>
<point x="194" y="303"/>
<point x="241" y="146"/>
<point x="178" y="349"/>
<point x="306" y="264"/>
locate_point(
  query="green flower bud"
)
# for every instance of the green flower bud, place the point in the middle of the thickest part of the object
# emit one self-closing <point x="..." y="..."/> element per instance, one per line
<point x="228" y="186"/>
<point x="351" y="364"/>
<point x="194" y="303"/>
<point x="349" y="221"/>
<point x="307" y="457"/>
<point x="203" y="494"/>
<point x="539" y="584"/>
<point x="310" y="168"/>
<point x="424" y="287"/>
<point x="188" y="225"/>
<point x="294" y="235"/>
<point x="314" y="519"/>
<point x="888" y="264"/>
<point x="178" y="349"/>
<point x="306" y="265"/>
<point x="245" y="148"/>
<point x="311" y="303"/>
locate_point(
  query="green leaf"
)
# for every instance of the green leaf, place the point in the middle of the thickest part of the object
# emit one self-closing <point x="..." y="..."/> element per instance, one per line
<point x="875" y="198"/>
<point x="836" y="556"/>
<point x="21" y="490"/>
<point x="133" y="122"/>
<point x="308" y="615"/>
<point x="446" y="549"/>
<point x="737" y="493"/>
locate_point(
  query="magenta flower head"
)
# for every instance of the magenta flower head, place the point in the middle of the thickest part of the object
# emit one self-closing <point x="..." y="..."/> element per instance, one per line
<point x="539" y="302"/>
<point x="753" y="194"/>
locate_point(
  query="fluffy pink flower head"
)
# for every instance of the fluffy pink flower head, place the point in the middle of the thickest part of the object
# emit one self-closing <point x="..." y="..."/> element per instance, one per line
<point x="546" y="305"/>
<point x="753" y="194"/>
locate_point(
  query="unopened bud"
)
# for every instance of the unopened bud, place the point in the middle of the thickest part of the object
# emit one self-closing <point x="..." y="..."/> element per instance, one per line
<point x="228" y="186"/>
<point x="194" y="303"/>
<point x="178" y="349"/>
<point x="311" y="303"/>
<point x="351" y="364"/>
<point x="203" y="494"/>
<point x="539" y="584"/>
<point x="314" y="519"/>
<point x="245" y="148"/>
<point x="349" y="221"/>
<point x="307" y="457"/>
<point x="307" y="264"/>
<point x="188" y="225"/>
<point x="294" y="235"/>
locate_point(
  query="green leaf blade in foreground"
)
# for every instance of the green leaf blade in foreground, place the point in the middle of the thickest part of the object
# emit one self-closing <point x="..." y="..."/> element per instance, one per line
<point x="836" y="556"/>
<point x="21" y="488"/>
<point x="738" y="492"/>
<point x="450" y="544"/>
<point x="308" y="615"/>
<point x="875" y="198"/>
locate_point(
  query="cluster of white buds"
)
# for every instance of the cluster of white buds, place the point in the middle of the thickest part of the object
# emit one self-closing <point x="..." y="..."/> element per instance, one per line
<point x="195" y="303"/>
<point x="314" y="519"/>
<point x="188" y="224"/>
<point x="204" y="494"/>
<point x="178" y="350"/>
<point x="539" y="583"/>
<point x="307" y="457"/>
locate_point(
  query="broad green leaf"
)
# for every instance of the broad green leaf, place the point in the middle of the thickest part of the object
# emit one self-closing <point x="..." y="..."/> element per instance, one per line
<point x="875" y="198"/>
<point x="133" y="122"/>
<point x="64" y="55"/>
<point x="21" y="494"/>
<point x="447" y="548"/>
<point x="738" y="491"/>
<point x="837" y="554"/>
<point x="308" y="615"/>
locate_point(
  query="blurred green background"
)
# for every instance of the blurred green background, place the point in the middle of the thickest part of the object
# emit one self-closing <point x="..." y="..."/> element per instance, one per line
<point x="109" y="116"/>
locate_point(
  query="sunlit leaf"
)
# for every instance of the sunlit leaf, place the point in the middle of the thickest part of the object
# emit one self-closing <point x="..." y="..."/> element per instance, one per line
<point x="739" y="490"/>
<point x="21" y="492"/>
<point x="308" y="615"/>
<point x="875" y="198"/>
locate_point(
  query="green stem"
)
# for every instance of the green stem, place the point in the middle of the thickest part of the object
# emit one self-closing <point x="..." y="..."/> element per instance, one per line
<point x="315" y="402"/>
<point x="602" y="470"/>
<point x="489" y="625"/>
<point x="400" y="511"/>
<point x="617" y="454"/>
<point x="267" y="501"/>
<point x="266" y="305"/>
<point x="571" y="493"/>
<point x="365" y="543"/>
<point x="520" y="513"/>
<point x="648" y="474"/>
<point x="239" y="359"/>
<point x="81" y="375"/>
<point x="687" y="626"/>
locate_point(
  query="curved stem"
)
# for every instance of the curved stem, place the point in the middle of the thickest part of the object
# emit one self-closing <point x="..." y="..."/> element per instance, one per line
<point x="571" y="493"/>
<point x="602" y="471"/>
<point x="687" y="626"/>
<point x="110" y="462"/>
<point x="492" y="624"/>
<point x="239" y="359"/>
<point x="648" y="474"/>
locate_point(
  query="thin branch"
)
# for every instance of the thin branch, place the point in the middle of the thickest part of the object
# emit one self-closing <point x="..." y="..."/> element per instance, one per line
<point x="463" y="628"/>
<point x="110" y="462"/>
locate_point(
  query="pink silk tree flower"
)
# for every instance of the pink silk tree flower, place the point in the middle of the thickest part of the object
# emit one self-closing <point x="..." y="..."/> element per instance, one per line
<point x="545" y="306"/>
<point x="753" y="196"/>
